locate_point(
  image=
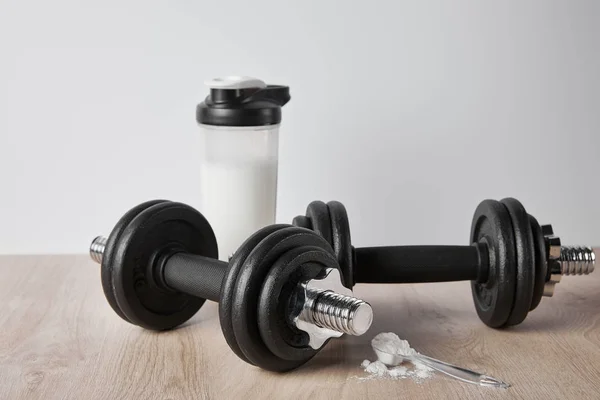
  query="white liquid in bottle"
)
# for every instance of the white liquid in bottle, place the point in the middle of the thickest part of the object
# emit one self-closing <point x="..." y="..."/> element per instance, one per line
<point x="238" y="199"/>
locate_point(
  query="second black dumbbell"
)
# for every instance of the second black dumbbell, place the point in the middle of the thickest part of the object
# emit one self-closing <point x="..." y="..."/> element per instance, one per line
<point x="512" y="260"/>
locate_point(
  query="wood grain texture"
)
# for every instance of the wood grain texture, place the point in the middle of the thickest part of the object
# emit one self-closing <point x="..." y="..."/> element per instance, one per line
<point x="59" y="339"/>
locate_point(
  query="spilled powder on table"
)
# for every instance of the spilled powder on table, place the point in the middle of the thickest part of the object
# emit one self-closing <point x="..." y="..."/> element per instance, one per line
<point x="391" y="343"/>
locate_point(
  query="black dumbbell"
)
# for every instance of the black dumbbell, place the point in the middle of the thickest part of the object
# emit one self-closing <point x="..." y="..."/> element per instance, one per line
<point x="512" y="260"/>
<point x="280" y="296"/>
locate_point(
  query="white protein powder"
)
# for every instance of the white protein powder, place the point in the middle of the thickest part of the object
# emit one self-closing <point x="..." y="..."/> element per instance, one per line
<point x="391" y="343"/>
<point x="397" y="372"/>
<point x="423" y="371"/>
<point x="377" y="368"/>
<point x="237" y="200"/>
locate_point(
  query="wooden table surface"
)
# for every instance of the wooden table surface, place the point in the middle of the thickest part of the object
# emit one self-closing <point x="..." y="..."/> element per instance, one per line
<point x="59" y="339"/>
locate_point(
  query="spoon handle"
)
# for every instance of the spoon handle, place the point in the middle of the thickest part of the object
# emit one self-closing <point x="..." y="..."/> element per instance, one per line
<point x="459" y="373"/>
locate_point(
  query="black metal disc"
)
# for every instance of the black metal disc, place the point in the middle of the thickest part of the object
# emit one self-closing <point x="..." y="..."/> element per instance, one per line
<point x="302" y="221"/>
<point x="247" y="291"/>
<point x="301" y="261"/>
<point x="539" y="245"/>
<point x="110" y="249"/>
<point x="163" y="227"/>
<point x="227" y="302"/>
<point x="243" y="296"/>
<point x="525" y="251"/>
<point x="494" y="298"/>
<point x="331" y="222"/>
<point x="318" y="213"/>
<point x="341" y="241"/>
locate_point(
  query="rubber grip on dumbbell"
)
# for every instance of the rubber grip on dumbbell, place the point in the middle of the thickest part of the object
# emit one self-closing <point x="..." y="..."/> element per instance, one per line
<point x="413" y="264"/>
<point x="195" y="275"/>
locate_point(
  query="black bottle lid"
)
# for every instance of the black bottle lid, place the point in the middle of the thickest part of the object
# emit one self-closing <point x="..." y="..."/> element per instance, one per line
<point x="242" y="101"/>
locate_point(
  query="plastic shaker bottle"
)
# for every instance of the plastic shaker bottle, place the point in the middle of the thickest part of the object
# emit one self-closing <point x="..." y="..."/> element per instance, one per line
<point x="240" y="128"/>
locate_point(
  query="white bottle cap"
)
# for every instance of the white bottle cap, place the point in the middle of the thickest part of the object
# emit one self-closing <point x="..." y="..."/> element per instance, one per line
<point x="235" y="82"/>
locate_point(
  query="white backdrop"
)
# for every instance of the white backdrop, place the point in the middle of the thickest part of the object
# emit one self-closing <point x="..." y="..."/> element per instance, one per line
<point x="408" y="112"/>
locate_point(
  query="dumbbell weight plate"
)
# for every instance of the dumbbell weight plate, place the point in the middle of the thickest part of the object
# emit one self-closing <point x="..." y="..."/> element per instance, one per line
<point x="160" y="228"/>
<point x="106" y="269"/>
<point x="318" y="214"/>
<point x="341" y="241"/>
<point x="524" y="250"/>
<point x="302" y="221"/>
<point x="304" y="256"/>
<point x="331" y="222"/>
<point x="227" y="301"/>
<point x="494" y="298"/>
<point x="539" y="245"/>
<point x="262" y="273"/>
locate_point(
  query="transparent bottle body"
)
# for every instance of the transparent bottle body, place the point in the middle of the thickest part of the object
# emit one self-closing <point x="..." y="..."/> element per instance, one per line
<point x="238" y="180"/>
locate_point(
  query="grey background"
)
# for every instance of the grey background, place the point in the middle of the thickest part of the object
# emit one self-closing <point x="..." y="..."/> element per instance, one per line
<point x="408" y="112"/>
